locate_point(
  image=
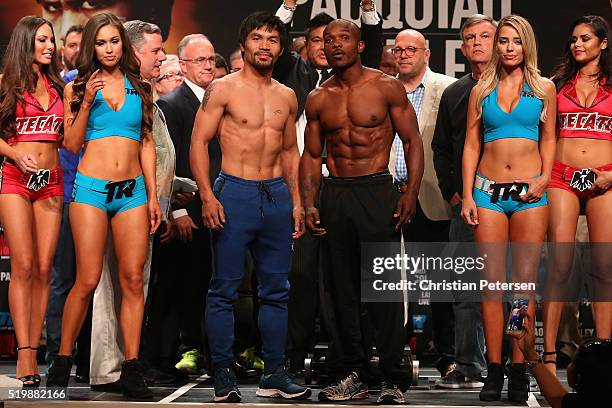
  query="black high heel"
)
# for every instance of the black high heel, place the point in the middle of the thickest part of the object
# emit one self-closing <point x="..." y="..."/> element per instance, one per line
<point x="29" y="381"/>
<point x="36" y="377"/>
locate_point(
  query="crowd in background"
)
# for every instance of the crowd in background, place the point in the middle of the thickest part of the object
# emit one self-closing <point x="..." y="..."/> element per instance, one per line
<point x="103" y="311"/>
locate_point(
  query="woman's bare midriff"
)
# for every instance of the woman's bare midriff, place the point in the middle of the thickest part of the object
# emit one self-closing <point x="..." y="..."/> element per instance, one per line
<point x="506" y="160"/>
<point x="112" y="158"/>
<point x="46" y="153"/>
<point x="583" y="153"/>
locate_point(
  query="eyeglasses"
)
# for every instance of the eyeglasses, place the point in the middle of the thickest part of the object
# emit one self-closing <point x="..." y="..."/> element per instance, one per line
<point x="409" y="51"/>
<point x="201" y="60"/>
<point x="172" y="76"/>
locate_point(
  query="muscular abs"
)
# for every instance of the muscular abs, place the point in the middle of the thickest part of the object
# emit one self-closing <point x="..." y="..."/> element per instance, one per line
<point x="251" y="132"/>
<point x="357" y="130"/>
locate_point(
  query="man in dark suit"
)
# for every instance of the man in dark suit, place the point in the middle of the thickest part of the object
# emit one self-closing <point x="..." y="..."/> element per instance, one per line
<point x="184" y="264"/>
<point x="304" y="76"/>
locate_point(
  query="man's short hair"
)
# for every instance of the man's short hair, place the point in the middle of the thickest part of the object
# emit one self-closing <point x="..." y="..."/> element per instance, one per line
<point x="475" y="19"/>
<point x="220" y="62"/>
<point x="73" y="29"/>
<point x="136" y="29"/>
<point x="261" y="19"/>
<point x="320" y="20"/>
<point x="186" y="40"/>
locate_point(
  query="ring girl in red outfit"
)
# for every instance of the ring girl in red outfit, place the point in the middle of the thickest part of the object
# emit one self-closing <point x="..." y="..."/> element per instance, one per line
<point x="582" y="172"/>
<point x="31" y="121"/>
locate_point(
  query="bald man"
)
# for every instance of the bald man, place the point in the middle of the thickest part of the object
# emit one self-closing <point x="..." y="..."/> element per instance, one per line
<point x="431" y="223"/>
<point x="359" y="204"/>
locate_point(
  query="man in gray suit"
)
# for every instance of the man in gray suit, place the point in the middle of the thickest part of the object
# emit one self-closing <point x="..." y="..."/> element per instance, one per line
<point x="431" y="223"/>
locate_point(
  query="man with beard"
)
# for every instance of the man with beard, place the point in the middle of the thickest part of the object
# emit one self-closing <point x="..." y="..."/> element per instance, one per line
<point x="354" y="114"/>
<point x="71" y="44"/>
<point x="251" y="203"/>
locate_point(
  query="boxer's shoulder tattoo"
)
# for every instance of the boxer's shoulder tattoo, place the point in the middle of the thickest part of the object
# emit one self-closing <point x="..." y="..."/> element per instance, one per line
<point x="207" y="94"/>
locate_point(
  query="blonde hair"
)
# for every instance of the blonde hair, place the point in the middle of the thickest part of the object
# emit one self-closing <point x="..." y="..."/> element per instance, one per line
<point x="531" y="73"/>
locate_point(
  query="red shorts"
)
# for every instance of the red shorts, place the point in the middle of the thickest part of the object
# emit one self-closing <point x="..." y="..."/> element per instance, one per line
<point x="569" y="178"/>
<point x="36" y="186"/>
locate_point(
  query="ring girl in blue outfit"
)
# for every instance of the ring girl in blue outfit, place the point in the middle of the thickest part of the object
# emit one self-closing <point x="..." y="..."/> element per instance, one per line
<point x="109" y="110"/>
<point x="511" y="116"/>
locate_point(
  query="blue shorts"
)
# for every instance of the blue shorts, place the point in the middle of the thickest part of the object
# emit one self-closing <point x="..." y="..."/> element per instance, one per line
<point x="110" y="197"/>
<point x="504" y="200"/>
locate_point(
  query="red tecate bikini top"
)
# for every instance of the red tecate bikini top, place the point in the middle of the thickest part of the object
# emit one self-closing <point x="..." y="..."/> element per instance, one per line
<point x="594" y="122"/>
<point x="33" y="123"/>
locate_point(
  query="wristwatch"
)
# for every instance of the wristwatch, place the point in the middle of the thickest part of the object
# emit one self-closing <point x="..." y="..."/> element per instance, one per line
<point x="286" y="7"/>
<point x="372" y="3"/>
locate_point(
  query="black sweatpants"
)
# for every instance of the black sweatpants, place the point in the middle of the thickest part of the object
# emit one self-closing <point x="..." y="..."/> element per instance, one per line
<point x="356" y="210"/>
<point x="303" y="298"/>
<point x="422" y="229"/>
<point x="180" y="272"/>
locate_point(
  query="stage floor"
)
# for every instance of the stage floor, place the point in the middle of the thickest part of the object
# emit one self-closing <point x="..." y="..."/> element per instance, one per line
<point x="199" y="392"/>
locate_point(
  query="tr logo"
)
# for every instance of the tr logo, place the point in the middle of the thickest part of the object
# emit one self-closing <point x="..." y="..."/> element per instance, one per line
<point x="506" y="191"/>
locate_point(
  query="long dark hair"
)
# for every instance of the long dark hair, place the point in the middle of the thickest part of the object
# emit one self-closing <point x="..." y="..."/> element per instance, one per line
<point x="568" y="67"/>
<point x="18" y="76"/>
<point x="87" y="63"/>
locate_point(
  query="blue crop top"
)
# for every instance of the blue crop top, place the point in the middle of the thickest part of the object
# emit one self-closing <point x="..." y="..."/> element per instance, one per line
<point x="104" y="121"/>
<point x="522" y="122"/>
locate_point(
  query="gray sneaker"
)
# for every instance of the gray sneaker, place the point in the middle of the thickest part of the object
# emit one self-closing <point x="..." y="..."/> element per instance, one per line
<point x="349" y="388"/>
<point x="390" y="395"/>
<point x="455" y="380"/>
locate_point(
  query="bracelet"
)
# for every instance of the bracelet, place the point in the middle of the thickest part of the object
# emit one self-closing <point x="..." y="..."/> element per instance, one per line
<point x="533" y="363"/>
<point x="364" y="10"/>
<point x="286" y="7"/>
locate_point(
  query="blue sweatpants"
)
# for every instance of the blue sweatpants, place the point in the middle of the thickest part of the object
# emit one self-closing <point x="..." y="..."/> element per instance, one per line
<point x="258" y="217"/>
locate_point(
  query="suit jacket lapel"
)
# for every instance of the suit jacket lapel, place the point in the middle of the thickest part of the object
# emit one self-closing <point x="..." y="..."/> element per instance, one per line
<point x="428" y="99"/>
<point x="190" y="96"/>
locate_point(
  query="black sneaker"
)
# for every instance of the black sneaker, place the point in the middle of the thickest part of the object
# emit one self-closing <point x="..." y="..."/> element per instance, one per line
<point x="445" y="365"/>
<point x="114" y="387"/>
<point x="281" y="384"/>
<point x="493" y="384"/>
<point x="163" y="376"/>
<point x="226" y="386"/>
<point x="349" y="388"/>
<point x="518" y="383"/>
<point x="390" y="395"/>
<point x="456" y="380"/>
<point x="59" y="372"/>
<point x="132" y="381"/>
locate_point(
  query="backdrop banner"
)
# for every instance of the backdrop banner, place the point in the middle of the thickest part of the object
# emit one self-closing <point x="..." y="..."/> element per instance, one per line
<point x="438" y="20"/>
